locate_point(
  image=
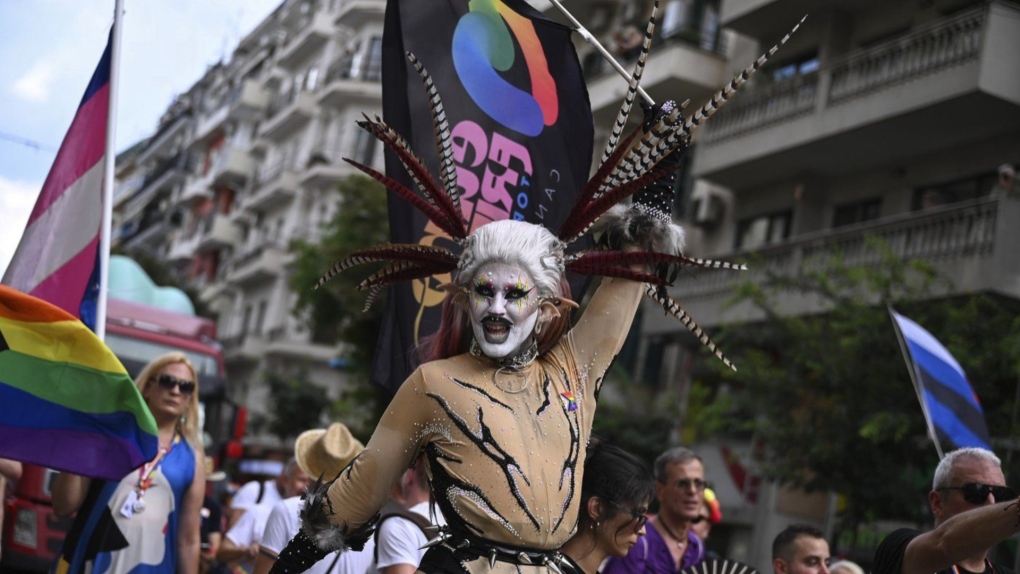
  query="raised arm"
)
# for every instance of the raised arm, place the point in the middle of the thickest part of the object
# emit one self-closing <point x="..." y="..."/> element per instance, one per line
<point x="965" y="535"/>
<point x="600" y="332"/>
<point x="341" y="518"/>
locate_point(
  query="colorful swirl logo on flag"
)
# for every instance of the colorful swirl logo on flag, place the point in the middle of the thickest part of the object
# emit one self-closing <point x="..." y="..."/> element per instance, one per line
<point x="483" y="46"/>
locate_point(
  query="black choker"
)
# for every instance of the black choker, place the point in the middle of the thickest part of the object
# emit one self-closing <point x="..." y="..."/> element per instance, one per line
<point x="517" y="362"/>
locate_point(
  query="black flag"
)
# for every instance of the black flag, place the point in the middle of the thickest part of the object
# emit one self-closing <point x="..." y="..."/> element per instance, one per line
<point x="522" y="132"/>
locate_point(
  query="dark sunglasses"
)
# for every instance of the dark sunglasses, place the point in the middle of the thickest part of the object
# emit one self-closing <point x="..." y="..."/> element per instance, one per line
<point x="637" y="515"/>
<point x="977" y="493"/>
<point x="168" y="382"/>
<point x="686" y="484"/>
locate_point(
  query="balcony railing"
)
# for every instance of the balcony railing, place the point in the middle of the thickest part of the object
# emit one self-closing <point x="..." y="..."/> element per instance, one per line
<point x="939" y="45"/>
<point x="284" y="99"/>
<point x="964" y="230"/>
<point x="926" y="50"/>
<point x="763" y="107"/>
<point x="345" y="68"/>
<point x="595" y="64"/>
<point x="185" y="162"/>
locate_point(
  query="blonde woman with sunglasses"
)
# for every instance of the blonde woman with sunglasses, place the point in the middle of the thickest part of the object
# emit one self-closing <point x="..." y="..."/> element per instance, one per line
<point x="149" y="520"/>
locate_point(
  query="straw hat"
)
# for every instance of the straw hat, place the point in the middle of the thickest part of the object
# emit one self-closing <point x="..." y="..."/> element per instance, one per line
<point x="325" y="452"/>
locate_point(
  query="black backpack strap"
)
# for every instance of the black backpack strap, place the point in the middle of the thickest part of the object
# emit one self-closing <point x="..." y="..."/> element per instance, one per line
<point x="423" y="524"/>
<point x="262" y="491"/>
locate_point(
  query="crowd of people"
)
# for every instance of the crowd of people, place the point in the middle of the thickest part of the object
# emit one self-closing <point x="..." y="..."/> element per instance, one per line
<point x="160" y="518"/>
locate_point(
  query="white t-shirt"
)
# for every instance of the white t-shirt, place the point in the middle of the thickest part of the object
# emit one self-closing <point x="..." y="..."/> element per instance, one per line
<point x="401" y="541"/>
<point x="251" y="525"/>
<point x="248" y="495"/>
<point x="284" y="523"/>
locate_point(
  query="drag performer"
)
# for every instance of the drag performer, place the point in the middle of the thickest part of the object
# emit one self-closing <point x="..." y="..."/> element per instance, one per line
<point x="503" y="408"/>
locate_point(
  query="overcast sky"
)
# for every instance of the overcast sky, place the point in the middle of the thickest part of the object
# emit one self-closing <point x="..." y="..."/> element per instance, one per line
<point x="49" y="49"/>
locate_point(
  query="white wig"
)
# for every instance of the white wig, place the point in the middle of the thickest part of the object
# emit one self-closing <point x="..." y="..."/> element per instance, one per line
<point x="531" y="247"/>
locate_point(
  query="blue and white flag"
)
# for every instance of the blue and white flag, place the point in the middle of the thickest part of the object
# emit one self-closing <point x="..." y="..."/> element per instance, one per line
<point x="950" y="405"/>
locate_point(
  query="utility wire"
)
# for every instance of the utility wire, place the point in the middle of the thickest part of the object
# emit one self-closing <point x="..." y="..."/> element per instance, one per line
<point x="27" y="142"/>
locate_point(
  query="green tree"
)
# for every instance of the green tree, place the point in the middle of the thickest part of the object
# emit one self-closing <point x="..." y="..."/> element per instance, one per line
<point x="829" y="394"/>
<point x="298" y="404"/>
<point x="335" y="311"/>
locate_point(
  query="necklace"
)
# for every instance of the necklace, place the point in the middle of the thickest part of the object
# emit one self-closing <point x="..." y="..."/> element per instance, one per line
<point x="517" y="362"/>
<point x="509" y="366"/>
<point x="680" y="542"/>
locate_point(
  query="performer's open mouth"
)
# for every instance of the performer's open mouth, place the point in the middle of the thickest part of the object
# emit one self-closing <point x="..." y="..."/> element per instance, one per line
<point x="496" y="329"/>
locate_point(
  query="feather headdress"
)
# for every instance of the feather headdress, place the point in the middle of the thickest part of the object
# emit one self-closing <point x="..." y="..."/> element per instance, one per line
<point x="636" y="167"/>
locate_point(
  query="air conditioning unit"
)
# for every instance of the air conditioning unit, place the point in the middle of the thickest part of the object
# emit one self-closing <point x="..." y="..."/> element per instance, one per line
<point x="708" y="209"/>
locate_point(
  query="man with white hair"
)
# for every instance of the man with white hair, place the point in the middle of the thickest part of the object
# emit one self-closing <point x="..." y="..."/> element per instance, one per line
<point x="974" y="510"/>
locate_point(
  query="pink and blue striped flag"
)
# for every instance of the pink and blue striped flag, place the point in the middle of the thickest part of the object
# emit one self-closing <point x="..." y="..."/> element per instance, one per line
<point x="57" y="259"/>
<point x="954" y="414"/>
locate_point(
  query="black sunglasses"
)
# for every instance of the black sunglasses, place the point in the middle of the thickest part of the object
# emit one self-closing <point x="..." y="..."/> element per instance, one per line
<point x="977" y="493"/>
<point x="686" y="484"/>
<point x="637" y="515"/>
<point x="168" y="382"/>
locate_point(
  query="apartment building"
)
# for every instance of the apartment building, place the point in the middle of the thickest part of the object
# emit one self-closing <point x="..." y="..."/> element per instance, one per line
<point x="245" y="161"/>
<point x="878" y="118"/>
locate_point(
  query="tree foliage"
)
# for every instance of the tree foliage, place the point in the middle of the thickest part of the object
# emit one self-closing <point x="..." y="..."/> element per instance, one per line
<point x="829" y="394"/>
<point x="298" y="404"/>
<point x="335" y="310"/>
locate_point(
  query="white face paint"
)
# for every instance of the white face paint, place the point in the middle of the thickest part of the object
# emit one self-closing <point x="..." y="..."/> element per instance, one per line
<point x="504" y="308"/>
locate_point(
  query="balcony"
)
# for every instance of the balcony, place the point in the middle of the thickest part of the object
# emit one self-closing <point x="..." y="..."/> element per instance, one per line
<point x="183" y="248"/>
<point x="195" y="190"/>
<point x="349" y="82"/>
<point x="231" y="166"/>
<point x="314" y="31"/>
<point x="164" y="142"/>
<point x="275" y="184"/>
<point x="279" y="343"/>
<point x="243" y="348"/>
<point x="686" y="65"/>
<point x="257" y="265"/>
<point x="289" y="111"/>
<point x="160" y="180"/>
<point x="247" y="100"/>
<point x="211" y="123"/>
<point x="970" y="242"/>
<point x="325" y="168"/>
<point x="216" y="231"/>
<point x="925" y="91"/>
<point x="356" y="13"/>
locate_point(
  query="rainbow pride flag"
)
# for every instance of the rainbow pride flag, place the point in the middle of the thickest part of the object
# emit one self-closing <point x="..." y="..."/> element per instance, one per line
<point x="66" y="401"/>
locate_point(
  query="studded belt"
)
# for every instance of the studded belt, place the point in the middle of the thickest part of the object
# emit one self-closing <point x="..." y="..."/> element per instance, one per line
<point x="481" y="548"/>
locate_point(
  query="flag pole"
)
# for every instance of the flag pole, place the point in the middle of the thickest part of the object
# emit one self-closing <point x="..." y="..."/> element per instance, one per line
<point x="913" y="378"/>
<point x="587" y="36"/>
<point x="111" y="160"/>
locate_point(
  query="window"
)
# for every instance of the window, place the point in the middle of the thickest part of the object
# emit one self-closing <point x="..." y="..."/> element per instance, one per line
<point x="364" y="147"/>
<point x="260" y="318"/>
<point x="953" y="191"/>
<point x="763" y="230"/>
<point x="373" y="62"/>
<point x="859" y="212"/>
<point x="799" y="67"/>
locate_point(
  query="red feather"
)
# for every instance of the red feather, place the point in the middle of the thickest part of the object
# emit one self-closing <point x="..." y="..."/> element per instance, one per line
<point x="428" y="183"/>
<point x="409" y="196"/>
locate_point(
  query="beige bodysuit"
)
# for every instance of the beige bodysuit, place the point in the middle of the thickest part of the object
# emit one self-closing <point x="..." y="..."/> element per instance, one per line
<point x="503" y="466"/>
